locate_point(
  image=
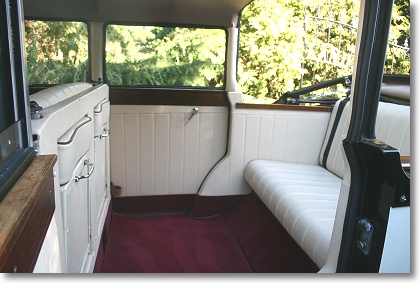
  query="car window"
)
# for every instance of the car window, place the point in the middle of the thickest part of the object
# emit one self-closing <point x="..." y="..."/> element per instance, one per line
<point x="294" y="45"/>
<point x="165" y="56"/>
<point x="57" y="52"/>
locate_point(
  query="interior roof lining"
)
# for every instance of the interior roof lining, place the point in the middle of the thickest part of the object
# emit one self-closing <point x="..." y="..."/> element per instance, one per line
<point x="204" y="12"/>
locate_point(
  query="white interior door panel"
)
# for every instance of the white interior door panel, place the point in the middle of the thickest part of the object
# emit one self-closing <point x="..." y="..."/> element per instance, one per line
<point x="156" y="150"/>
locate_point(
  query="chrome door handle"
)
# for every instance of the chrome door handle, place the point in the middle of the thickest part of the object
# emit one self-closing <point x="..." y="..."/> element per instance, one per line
<point x="194" y="111"/>
<point x="107" y="132"/>
<point x="77" y="178"/>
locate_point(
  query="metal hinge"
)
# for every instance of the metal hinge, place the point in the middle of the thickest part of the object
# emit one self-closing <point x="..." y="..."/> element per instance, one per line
<point x="364" y="242"/>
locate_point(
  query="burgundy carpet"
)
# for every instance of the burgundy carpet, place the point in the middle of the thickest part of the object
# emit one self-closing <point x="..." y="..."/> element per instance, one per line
<point x="171" y="243"/>
<point x="264" y="242"/>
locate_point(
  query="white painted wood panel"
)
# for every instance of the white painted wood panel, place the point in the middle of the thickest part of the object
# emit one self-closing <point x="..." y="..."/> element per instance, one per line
<point x="154" y="152"/>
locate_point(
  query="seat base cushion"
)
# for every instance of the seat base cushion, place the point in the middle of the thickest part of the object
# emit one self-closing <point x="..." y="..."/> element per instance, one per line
<point x="302" y="197"/>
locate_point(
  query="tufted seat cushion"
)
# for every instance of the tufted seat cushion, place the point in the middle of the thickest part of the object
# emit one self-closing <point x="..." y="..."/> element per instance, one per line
<point x="303" y="198"/>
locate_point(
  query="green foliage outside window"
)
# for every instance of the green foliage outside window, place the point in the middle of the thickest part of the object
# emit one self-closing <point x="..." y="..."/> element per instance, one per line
<point x="165" y="56"/>
<point x="294" y="44"/>
<point x="57" y="52"/>
<point x="284" y="45"/>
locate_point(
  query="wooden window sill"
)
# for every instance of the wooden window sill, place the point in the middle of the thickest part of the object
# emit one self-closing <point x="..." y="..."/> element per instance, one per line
<point x="284" y="107"/>
<point x="25" y="215"/>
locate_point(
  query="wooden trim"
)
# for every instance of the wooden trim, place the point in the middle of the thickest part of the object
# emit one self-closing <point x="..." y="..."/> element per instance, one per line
<point x="284" y="107"/>
<point x="405" y="159"/>
<point x="157" y="96"/>
<point x="25" y="215"/>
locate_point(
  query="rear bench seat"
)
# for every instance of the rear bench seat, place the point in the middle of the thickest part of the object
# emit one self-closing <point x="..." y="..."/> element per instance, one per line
<point x="304" y="197"/>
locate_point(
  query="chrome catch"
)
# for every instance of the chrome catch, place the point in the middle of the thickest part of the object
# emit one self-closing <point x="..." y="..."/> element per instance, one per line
<point x="194" y="111"/>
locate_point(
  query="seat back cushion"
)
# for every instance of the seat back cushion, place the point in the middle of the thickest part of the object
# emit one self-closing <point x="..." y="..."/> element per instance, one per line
<point x="331" y="156"/>
<point x="392" y="127"/>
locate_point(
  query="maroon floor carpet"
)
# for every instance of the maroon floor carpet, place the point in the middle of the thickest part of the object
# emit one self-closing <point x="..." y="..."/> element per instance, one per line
<point x="172" y="244"/>
<point x="264" y="242"/>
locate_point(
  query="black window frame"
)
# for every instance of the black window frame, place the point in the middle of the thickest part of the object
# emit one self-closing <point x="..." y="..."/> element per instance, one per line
<point x="15" y="135"/>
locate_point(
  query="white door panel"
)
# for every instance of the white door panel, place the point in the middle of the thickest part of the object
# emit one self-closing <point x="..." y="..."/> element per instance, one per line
<point x="75" y="199"/>
<point x="154" y="151"/>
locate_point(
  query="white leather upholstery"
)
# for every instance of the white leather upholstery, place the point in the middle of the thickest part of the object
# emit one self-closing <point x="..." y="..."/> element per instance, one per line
<point x="393" y="126"/>
<point x="58" y="93"/>
<point x="304" y="197"/>
<point x="57" y="120"/>
<point x="398" y="91"/>
<point x="72" y="146"/>
<point x="280" y="135"/>
<point x="335" y="161"/>
<point x="101" y="116"/>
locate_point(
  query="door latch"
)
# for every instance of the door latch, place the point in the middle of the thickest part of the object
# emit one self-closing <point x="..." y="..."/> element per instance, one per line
<point x="194" y="111"/>
<point x="364" y="242"/>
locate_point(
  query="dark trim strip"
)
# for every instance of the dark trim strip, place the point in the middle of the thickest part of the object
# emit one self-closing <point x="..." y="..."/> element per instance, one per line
<point x="366" y="87"/>
<point x="333" y="130"/>
<point x="75" y="132"/>
<point x="284" y="107"/>
<point x="158" y="96"/>
<point x="153" y="204"/>
<point x="100" y="106"/>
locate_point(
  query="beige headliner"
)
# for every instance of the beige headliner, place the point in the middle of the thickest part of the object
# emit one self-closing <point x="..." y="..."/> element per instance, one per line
<point x="203" y="12"/>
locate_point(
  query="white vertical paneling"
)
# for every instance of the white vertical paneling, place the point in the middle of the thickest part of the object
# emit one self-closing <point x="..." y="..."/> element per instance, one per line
<point x="265" y="137"/>
<point x="161" y="152"/>
<point x="166" y="156"/>
<point x="131" y="153"/>
<point x="291" y="136"/>
<point x="177" y="151"/>
<point x="147" y="157"/>
<point x="279" y="137"/>
<point x="117" y="152"/>
<point x="310" y="130"/>
<point x="251" y="138"/>
<point x="237" y="146"/>
<point x="157" y="153"/>
<point x="220" y="144"/>
<point x="392" y="128"/>
<point x="191" y="149"/>
<point x="293" y="144"/>
<point x="206" y="145"/>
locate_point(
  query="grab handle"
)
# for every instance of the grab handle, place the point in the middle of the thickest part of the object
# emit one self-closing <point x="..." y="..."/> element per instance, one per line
<point x="77" y="178"/>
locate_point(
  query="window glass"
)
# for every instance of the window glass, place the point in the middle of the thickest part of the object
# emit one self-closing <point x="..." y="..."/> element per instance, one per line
<point x="165" y="56"/>
<point x="294" y="45"/>
<point x="398" y="53"/>
<point x="57" y="52"/>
